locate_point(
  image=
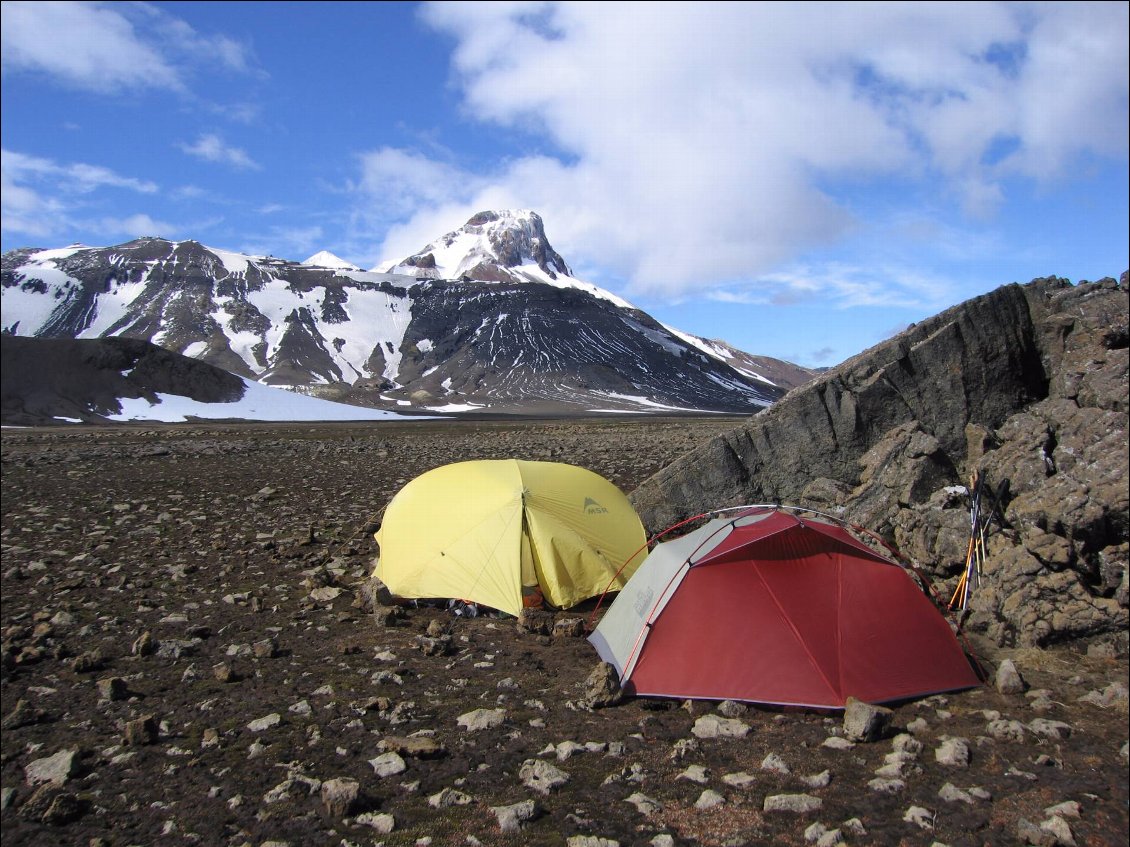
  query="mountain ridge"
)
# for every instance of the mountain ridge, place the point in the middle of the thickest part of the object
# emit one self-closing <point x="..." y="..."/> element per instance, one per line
<point x="519" y="333"/>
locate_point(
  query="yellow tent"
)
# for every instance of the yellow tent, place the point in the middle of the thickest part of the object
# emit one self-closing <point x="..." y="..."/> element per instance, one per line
<point x="505" y="532"/>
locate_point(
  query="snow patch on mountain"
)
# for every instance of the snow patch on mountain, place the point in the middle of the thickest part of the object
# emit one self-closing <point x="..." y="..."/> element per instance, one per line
<point x="235" y="264"/>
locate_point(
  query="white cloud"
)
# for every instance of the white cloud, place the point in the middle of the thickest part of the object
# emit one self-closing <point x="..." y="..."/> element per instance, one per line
<point x="108" y="48"/>
<point x="79" y="176"/>
<point x="82" y="44"/>
<point x="133" y="226"/>
<point x="712" y="141"/>
<point x="42" y="197"/>
<point x="211" y="148"/>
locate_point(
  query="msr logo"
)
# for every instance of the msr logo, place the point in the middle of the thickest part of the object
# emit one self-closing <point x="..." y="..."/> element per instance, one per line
<point x="592" y="507"/>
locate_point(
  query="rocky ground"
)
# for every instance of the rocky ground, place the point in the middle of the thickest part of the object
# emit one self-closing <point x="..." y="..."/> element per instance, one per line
<point x="186" y="661"/>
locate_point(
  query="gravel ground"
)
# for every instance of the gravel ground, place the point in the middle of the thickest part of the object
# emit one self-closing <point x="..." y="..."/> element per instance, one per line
<point x="186" y="661"/>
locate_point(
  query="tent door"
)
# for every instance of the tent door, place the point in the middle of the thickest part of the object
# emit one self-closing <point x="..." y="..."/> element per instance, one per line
<point x="532" y="597"/>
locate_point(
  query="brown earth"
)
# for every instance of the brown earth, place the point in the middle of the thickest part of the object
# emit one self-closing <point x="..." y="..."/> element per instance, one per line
<point x="181" y="561"/>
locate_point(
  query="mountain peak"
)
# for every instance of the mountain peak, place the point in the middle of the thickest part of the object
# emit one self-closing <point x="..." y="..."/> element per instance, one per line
<point x="508" y="245"/>
<point x="326" y="259"/>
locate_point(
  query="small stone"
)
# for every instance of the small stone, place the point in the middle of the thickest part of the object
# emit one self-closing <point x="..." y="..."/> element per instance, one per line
<point x="382" y="824"/>
<point x="1067" y="809"/>
<point x="774" y="764"/>
<point x="684" y="747"/>
<point x="388" y="764"/>
<point x="694" y="773"/>
<point x="541" y="776"/>
<point x="535" y="622"/>
<point x="904" y="743"/>
<point x="569" y="628"/>
<point x="644" y="805"/>
<point x="339" y="795"/>
<point x="1104" y="697"/>
<point x="53" y="770"/>
<point x="1050" y="729"/>
<point x="1037" y="836"/>
<point x="602" y="687"/>
<point x="447" y="797"/>
<point x="864" y="721"/>
<point x="712" y="726"/>
<point x="952" y="794"/>
<point x="22" y="714"/>
<point x="817" y="780"/>
<point x="429" y="646"/>
<point x="1008" y="679"/>
<point x="145" y="645"/>
<point x="814" y="831"/>
<point x="481" y="719"/>
<point x="953" y="752"/>
<point x="225" y="672"/>
<point x="732" y="709"/>
<point x="1006" y="730"/>
<point x="62" y="809"/>
<point x="389" y="616"/>
<point x="1058" y="827"/>
<point x="920" y="817"/>
<point x="854" y="826"/>
<point x="708" y="799"/>
<point x="264" y="723"/>
<point x="265" y="649"/>
<point x="112" y="689"/>
<point x="836" y="742"/>
<point x="414" y="747"/>
<point x="141" y="731"/>
<point x="886" y="786"/>
<point x="917" y="726"/>
<point x="511" y="818"/>
<point x="85" y="662"/>
<point x="799" y="803"/>
<point x="739" y="780"/>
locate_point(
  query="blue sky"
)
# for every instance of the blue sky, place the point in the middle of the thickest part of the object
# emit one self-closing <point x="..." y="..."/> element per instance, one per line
<point x="799" y="179"/>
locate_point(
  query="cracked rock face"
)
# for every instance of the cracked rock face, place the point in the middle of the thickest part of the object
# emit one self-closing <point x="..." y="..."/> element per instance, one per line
<point x="1027" y="384"/>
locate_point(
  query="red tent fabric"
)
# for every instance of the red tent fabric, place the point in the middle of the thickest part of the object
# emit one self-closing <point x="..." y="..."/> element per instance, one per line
<point x="772" y="607"/>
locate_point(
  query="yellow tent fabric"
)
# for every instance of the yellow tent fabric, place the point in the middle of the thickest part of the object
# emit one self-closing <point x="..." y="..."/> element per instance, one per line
<point x="484" y="531"/>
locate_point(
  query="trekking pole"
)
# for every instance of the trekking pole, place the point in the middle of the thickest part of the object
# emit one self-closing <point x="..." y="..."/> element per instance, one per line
<point x="969" y="573"/>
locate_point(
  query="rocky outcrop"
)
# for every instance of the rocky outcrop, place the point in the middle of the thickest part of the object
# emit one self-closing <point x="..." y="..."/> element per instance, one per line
<point x="1027" y="383"/>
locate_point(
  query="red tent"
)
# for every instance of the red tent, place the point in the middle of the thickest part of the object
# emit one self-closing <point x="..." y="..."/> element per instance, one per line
<point x="774" y="607"/>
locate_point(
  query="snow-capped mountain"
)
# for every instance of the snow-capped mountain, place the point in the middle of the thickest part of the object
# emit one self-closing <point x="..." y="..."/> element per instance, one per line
<point x="326" y="259"/>
<point x="488" y="317"/>
<point x="504" y="246"/>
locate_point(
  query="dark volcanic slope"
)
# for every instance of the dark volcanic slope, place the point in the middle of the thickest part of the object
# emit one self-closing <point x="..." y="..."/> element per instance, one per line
<point x="45" y="378"/>
<point x="180" y="641"/>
